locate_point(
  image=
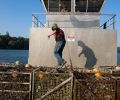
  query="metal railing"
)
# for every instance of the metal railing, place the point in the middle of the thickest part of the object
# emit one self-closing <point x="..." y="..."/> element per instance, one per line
<point x="36" y="22"/>
<point x="39" y="20"/>
<point x="109" y="22"/>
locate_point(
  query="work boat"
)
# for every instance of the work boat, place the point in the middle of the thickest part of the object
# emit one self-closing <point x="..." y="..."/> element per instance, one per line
<point x="90" y="52"/>
<point x="86" y="29"/>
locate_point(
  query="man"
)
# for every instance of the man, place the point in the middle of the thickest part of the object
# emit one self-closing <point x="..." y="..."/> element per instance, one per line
<point x="60" y="44"/>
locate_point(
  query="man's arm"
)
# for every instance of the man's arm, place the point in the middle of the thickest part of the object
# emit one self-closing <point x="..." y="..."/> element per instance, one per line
<point x="80" y="54"/>
<point x="52" y="34"/>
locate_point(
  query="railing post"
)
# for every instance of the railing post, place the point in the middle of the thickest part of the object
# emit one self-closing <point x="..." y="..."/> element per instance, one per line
<point x="75" y="89"/>
<point x="114" y="22"/>
<point x="32" y="21"/>
<point x="39" y="25"/>
<point x="37" y="22"/>
<point x="48" y="5"/>
<point x="48" y="24"/>
<point x="105" y="25"/>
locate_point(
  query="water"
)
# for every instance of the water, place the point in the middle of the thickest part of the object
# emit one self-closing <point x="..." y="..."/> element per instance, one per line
<point x="14" y="55"/>
<point x="22" y="56"/>
<point x="118" y="59"/>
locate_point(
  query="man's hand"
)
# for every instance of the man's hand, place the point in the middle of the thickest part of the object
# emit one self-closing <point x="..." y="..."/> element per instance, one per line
<point x="79" y="55"/>
<point x="48" y="36"/>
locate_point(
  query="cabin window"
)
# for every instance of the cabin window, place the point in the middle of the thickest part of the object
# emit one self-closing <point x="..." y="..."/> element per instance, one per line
<point x="65" y="5"/>
<point x="88" y="5"/>
<point x="93" y="6"/>
<point x="80" y="5"/>
<point x="53" y="6"/>
<point x="58" y="5"/>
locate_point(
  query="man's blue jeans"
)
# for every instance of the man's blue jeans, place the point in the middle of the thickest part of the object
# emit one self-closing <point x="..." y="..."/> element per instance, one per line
<point x="59" y="46"/>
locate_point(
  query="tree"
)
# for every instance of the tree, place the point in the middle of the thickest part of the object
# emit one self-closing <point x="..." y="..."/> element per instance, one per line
<point x="8" y="42"/>
<point x="7" y="34"/>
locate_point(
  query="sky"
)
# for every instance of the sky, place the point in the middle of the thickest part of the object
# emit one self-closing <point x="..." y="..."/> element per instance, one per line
<point x="16" y="15"/>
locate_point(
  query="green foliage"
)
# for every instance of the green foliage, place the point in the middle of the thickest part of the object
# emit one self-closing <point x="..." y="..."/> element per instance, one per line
<point x="8" y="42"/>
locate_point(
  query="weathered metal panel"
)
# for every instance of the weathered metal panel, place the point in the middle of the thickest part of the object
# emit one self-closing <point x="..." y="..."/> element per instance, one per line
<point x="99" y="47"/>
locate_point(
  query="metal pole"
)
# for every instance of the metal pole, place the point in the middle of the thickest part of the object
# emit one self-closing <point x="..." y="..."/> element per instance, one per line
<point x="87" y="6"/>
<point x="74" y="89"/>
<point x="33" y="82"/>
<point x="48" y="24"/>
<point x="72" y="6"/>
<point x="48" y="5"/>
<point x="114" y="22"/>
<point x="32" y="21"/>
<point x="59" y="5"/>
<point x="39" y="24"/>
